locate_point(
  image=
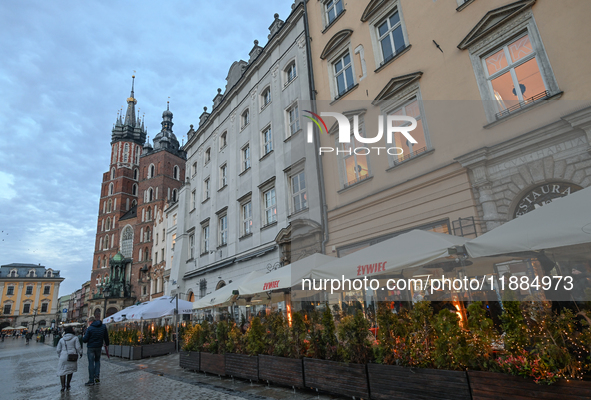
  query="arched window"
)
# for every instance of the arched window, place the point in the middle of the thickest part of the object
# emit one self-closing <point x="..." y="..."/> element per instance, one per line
<point x="126" y="153"/>
<point x="147" y="235"/>
<point x="127" y="241"/>
<point x="98" y="264"/>
<point x="135" y="174"/>
<point x="152" y="171"/>
<point x="139" y="255"/>
<point x="134" y="189"/>
<point x="111" y="188"/>
<point x="191" y="297"/>
<point x="137" y="155"/>
<point x="146" y="254"/>
<point x="108" y="224"/>
<point x="245" y="119"/>
<point x="100" y="243"/>
<point x="31" y="273"/>
<point x="109" y="206"/>
<point x="174" y="194"/>
<point x="150" y="194"/>
<point x="105" y="262"/>
<point x="175" y="172"/>
<point x="49" y="273"/>
<point x="133" y="203"/>
<point x="114" y="154"/>
<point x="290" y="72"/>
<point x="107" y="242"/>
<point x="98" y="280"/>
<point x="220" y="285"/>
<point x="265" y="97"/>
<point x="149" y="214"/>
<point x="113" y="173"/>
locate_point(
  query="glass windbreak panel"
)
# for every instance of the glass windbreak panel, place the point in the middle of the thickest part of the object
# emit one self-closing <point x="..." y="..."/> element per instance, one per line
<point x="520" y="48"/>
<point x="496" y="62"/>
<point x="504" y="91"/>
<point x="530" y="79"/>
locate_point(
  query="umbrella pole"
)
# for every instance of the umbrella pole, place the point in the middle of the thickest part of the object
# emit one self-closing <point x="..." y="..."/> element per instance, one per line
<point x="176" y="321"/>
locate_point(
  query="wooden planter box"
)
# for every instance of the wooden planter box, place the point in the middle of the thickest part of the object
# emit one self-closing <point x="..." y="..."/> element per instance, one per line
<point x="242" y="366"/>
<point x="117" y="350"/>
<point x="135" y="352"/>
<point x="157" y="349"/>
<point x="337" y="377"/>
<point x="489" y="385"/>
<point x="285" y="371"/>
<point x="213" y="363"/>
<point x="189" y="360"/>
<point x="125" y="351"/>
<point x="394" y="382"/>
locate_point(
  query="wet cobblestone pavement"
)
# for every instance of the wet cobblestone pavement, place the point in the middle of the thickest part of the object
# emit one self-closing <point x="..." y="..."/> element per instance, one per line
<point x="29" y="372"/>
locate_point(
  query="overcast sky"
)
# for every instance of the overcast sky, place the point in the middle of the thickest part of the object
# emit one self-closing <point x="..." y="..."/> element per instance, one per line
<point x="65" y="70"/>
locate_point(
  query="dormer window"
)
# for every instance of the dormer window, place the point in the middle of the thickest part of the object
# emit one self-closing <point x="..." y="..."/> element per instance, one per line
<point x="31" y="274"/>
<point x="13" y="274"/>
<point x="49" y="274"/>
<point x="290" y="73"/>
<point x="245" y="118"/>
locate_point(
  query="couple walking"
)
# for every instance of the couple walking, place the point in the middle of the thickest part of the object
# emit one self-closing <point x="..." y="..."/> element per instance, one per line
<point x="69" y="348"/>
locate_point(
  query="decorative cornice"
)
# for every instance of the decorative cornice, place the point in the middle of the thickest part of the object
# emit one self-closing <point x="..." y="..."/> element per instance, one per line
<point x="396" y="85"/>
<point x="334" y="42"/>
<point x="372" y="7"/>
<point x="494" y="19"/>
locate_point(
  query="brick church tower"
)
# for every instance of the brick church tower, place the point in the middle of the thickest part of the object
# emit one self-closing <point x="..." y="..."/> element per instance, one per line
<point x="140" y="181"/>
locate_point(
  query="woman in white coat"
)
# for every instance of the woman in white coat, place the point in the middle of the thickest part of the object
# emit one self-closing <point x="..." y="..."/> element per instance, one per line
<point x="69" y="344"/>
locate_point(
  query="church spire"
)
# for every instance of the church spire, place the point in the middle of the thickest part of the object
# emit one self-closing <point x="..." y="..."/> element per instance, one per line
<point x="131" y="102"/>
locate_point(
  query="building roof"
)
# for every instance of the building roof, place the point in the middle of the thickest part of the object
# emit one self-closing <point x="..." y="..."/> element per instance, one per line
<point x="23" y="269"/>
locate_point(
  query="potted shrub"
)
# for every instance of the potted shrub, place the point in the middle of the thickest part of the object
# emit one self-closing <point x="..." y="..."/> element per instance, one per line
<point x="213" y="358"/>
<point x="274" y="349"/>
<point x="410" y="340"/>
<point x="189" y="356"/>
<point x="239" y="364"/>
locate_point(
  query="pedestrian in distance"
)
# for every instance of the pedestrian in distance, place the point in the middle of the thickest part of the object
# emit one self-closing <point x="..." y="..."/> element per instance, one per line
<point x="68" y="351"/>
<point x="95" y="336"/>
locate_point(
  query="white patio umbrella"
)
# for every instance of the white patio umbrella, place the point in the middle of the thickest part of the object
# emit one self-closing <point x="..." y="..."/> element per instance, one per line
<point x="563" y="222"/>
<point x="160" y="307"/>
<point x="224" y="295"/>
<point x="282" y="278"/>
<point x="411" y="249"/>
<point x="118" y="316"/>
<point x="8" y="328"/>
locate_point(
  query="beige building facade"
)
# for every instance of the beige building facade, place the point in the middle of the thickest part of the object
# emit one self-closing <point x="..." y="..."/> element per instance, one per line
<point x="500" y="93"/>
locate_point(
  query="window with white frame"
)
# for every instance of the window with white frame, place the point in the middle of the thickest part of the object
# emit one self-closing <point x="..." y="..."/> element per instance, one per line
<point x="134" y="189"/>
<point x="267" y="140"/>
<point x="206" y="188"/>
<point x="290" y="72"/>
<point x="406" y="150"/>
<point x="223" y="140"/>
<point x="511" y="66"/>
<point x="332" y="9"/>
<point x="26" y="308"/>
<point x="10" y="290"/>
<point x="44" y="307"/>
<point x="299" y="194"/>
<point x="354" y="167"/>
<point x="245" y="118"/>
<point x="127" y="241"/>
<point x="245" y="157"/>
<point x="514" y="75"/>
<point x="126" y="153"/>
<point x="223" y="230"/>
<point x="152" y="171"/>
<point x="246" y="217"/>
<point x="193" y="199"/>
<point x="343" y="74"/>
<point x="204" y="239"/>
<point x="135" y="174"/>
<point x="112" y="173"/>
<point x="270" y="207"/>
<point x="265" y="97"/>
<point x="223" y="176"/>
<point x="293" y="119"/>
<point x="191" y="246"/>
<point x="175" y="172"/>
<point x="111" y="188"/>
<point x="390" y="36"/>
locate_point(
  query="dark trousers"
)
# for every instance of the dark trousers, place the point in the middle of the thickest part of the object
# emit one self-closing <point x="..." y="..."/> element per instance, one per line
<point x="94" y="362"/>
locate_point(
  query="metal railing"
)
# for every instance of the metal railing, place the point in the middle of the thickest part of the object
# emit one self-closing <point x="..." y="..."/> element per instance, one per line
<point x="522" y="104"/>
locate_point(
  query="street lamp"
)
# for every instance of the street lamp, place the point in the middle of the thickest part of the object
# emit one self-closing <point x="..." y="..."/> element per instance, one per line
<point x="34" y="315"/>
<point x="106" y="295"/>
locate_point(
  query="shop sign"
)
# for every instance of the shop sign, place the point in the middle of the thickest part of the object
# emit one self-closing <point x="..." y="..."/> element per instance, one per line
<point x="543" y="194"/>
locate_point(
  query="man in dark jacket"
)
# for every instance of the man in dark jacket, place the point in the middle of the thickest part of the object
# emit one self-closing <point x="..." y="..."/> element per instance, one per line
<point x="95" y="336"/>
